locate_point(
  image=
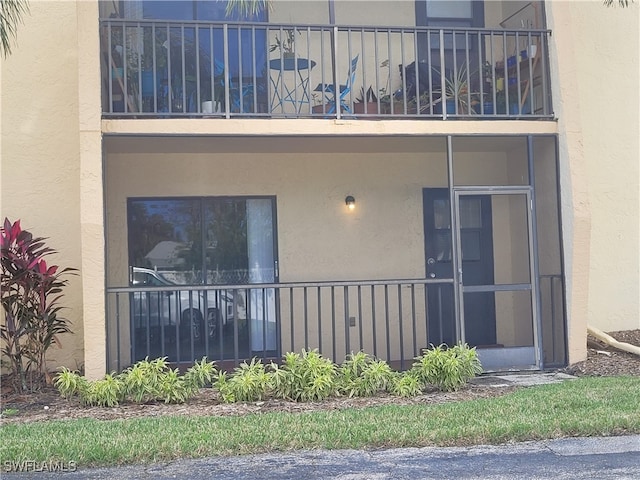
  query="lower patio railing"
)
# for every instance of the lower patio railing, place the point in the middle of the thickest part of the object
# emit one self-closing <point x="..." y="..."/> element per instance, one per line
<point x="391" y="319"/>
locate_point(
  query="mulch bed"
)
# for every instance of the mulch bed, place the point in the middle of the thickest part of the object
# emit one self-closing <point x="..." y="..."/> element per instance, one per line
<point x="48" y="405"/>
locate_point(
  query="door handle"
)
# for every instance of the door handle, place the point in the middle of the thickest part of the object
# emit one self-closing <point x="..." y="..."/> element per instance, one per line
<point x="432" y="275"/>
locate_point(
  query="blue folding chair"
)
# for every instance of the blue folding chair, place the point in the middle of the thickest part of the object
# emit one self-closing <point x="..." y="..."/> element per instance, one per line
<point x="329" y="91"/>
<point x="240" y="94"/>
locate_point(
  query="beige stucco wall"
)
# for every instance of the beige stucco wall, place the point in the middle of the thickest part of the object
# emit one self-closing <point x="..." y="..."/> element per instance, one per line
<point x="594" y="55"/>
<point x="318" y="238"/>
<point x="51" y="170"/>
<point x="40" y="157"/>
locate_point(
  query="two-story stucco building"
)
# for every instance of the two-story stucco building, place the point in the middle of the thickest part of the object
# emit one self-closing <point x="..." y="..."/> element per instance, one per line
<point x="332" y="174"/>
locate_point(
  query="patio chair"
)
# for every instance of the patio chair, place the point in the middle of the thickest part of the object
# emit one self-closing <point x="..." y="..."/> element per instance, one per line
<point x="329" y="91"/>
<point x="240" y="93"/>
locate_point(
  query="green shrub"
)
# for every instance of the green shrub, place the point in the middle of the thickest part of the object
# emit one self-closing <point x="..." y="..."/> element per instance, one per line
<point x="107" y="392"/>
<point x="248" y="383"/>
<point x="305" y="377"/>
<point x="199" y="375"/>
<point x="363" y="376"/>
<point x="447" y="368"/>
<point x="405" y="384"/>
<point x="172" y="387"/>
<point x="142" y="380"/>
<point x="70" y="383"/>
<point x="146" y="381"/>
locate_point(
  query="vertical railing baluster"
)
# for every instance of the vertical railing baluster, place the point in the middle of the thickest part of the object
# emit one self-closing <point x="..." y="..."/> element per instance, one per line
<point x="254" y="76"/>
<point x="306" y="319"/>
<point x="440" y="313"/>
<point x="236" y="346"/>
<point x="494" y="85"/>
<point x="307" y="87"/>
<point x="177" y="327"/>
<point x="413" y="319"/>
<point x="277" y="295"/>
<point x="125" y="71"/>
<point x="419" y="99"/>
<point x="148" y="327"/>
<point x="336" y="78"/>
<point x="546" y="100"/>
<point x="400" y="326"/>
<point x="365" y="108"/>
<point x="161" y="326"/>
<point x="376" y="59"/>
<point x="184" y="72"/>
<point x="518" y="74"/>
<point x="443" y="83"/>
<point x="264" y="323"/>
<point x="361" y="343"/>
<point x="333" y="322"/>
<point x="118" y="356"/>
<point x="430" y="73"/>
<point x="110" y="67"/>
<point x="319" y="294"/>
<point x="240" y="83"/>
<point x="481" y="72"/>
<point x="198" y="105"/>
<point x="405" y="100"/>
<point x="373" y="320"/>
<point x="212" y="68"/>
<point x="505" y="67"/>
<point x="529" y="97"/>
<point x="427" y="315"/>
<point x="225" y="50"/>
<point x="468" y="73"/>
<point x="389" y="63"/>
<point x="386" y="321"/>
<point x="154" y="73"/>
<point x="291" y="290"/>
<point x="220" y="327"/>
<point x="454" y="80"/>
<point x="139" y="65"/>
<point x="347" y="339"/>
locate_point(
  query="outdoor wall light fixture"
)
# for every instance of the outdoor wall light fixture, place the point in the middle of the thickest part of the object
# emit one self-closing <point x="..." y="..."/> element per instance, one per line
<point x="350" y="202"/>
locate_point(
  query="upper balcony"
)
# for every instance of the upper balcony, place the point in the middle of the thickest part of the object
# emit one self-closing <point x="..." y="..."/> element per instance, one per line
<point x="221" y="69"/>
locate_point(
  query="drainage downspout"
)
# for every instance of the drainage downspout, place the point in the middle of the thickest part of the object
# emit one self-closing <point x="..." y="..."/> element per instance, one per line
<point x="609" y="340"/>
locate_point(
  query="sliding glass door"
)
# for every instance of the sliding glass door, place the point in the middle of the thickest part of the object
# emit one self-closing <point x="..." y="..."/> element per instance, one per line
<point x="191" y="242"/>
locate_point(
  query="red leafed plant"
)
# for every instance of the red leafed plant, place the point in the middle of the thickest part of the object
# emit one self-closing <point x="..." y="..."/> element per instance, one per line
<point x="30" y="292"/>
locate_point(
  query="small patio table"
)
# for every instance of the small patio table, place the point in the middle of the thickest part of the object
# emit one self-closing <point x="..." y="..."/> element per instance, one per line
<point x="293" y="88"/>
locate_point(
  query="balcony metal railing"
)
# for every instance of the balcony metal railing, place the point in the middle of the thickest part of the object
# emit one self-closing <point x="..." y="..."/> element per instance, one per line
<point x="164" y="69"/>
<point x="389" y="319"/>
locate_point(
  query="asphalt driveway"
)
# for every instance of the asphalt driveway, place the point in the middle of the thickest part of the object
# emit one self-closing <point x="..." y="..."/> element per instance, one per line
<point x="563" y="459"/>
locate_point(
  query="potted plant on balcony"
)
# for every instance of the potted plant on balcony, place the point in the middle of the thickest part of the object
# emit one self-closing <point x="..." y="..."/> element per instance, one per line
<point x="459" y="99"/>
<point x="285" y="43"/>
<point x="366" y="102"/>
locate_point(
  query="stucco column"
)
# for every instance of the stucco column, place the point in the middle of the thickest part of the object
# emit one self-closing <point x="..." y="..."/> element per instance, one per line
<point x="91" y="190"/>
<point x="574" y="185"/>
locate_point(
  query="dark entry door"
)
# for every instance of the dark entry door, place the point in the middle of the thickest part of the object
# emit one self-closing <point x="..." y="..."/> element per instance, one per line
<point x="477" y="263"/>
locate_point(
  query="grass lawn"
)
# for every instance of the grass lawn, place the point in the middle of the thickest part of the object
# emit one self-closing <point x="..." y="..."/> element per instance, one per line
<point x="583" y="407"/>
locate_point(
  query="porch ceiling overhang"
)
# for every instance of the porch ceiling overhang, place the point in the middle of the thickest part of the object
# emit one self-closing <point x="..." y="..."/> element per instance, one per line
<point x="315" y="127"/>
<point x="303" y="144"/>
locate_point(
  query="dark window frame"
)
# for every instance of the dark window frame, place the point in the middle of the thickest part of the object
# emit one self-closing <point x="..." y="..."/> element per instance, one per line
<point x="202" y="201"/>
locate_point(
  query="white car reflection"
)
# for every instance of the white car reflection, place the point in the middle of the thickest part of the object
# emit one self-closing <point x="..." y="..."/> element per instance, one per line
<point x="187" y="308"/>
